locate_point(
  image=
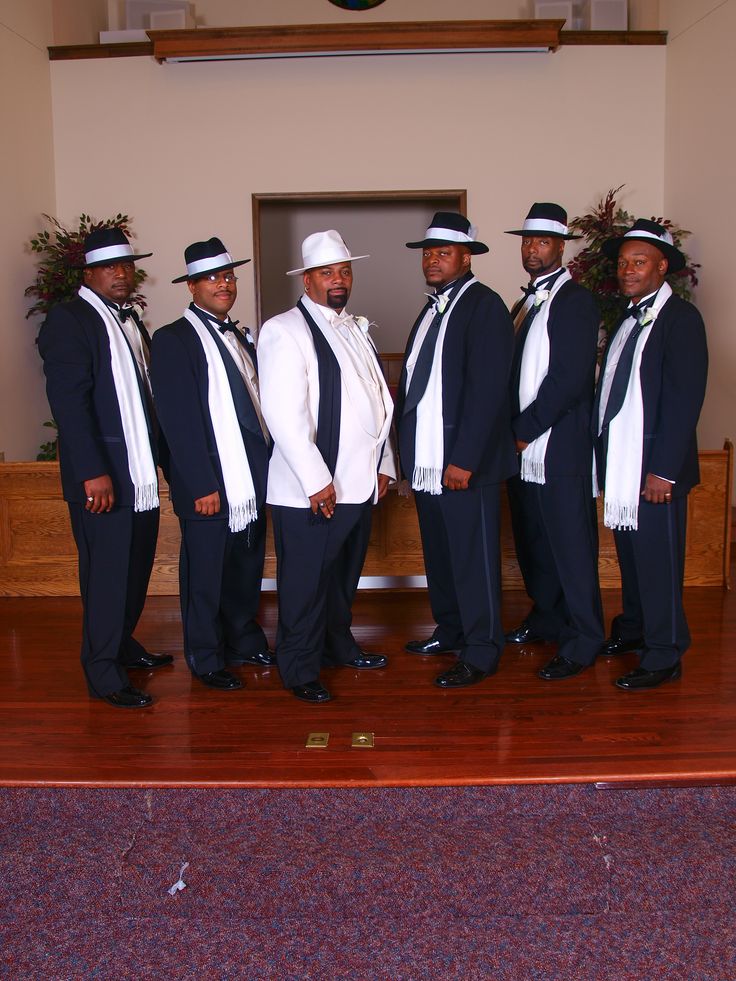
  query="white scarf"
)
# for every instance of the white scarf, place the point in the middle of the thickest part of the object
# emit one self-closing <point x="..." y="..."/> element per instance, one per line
<point x="126" y="379"/>
<point x="626" y="437"/>
<point x="239" y="489"/>
<point x="430" y="433"/>
<point x="534" y="368"/>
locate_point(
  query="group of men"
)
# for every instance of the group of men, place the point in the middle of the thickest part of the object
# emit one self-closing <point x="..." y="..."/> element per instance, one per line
<point x="304" y="421"/>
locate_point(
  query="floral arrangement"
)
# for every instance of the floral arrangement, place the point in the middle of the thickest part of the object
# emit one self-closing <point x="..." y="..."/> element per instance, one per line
<point x="59" y="276"/>
<point x="592" y="269"/>
<point x="59" y="273"/>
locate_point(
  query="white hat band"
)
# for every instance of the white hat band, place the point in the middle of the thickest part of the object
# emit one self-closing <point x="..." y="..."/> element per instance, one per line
<point x="638" y="233"/>
<point x="544" y="225"/>
<point x="211" y="262"/>
<point x="449" y="234"/>
<point x="108" y="253"/>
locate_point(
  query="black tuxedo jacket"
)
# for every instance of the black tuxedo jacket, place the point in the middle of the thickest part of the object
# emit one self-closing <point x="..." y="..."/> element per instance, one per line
<point x="476" y="361"/>
<point x="674" y="371"/>
<point x="563" y="402"/>
<point x="180" y="386"/>
<point x="75" y="348"/>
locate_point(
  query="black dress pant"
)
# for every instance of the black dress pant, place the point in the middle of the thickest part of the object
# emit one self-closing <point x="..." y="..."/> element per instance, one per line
<point x="556" y="535"/>
<point x="652" y="562"/>
<point x="319" y="566"/>
<point x="460" y="541"/>
<point x="220" y="576"/>
<point x="116" y="551"/>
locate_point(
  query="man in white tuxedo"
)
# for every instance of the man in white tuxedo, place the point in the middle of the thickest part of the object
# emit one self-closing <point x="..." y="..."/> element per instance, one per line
<point x="328" y="409"/>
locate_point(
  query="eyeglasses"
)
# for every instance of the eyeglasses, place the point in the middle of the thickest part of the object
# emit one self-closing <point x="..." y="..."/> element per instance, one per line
<point x="227" y="277"/>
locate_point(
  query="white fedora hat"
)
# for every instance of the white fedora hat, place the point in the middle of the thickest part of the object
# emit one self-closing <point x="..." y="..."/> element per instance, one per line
<point x="324" y="249"/>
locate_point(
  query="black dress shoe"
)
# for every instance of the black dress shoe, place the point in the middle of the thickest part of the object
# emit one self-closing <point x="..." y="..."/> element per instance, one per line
<point x="523" y="634"/>
<point x="313" y="692"/>
<point x="617" y="645"/>
<point x="222" y="680"/>
<point x="149" y="661"/>
<point x="128" y="698"/>
<point x="642" y="680"/>
<point x="263" y="659"/>
<point x="366" y="661"/>
<point x="428" y="647"/>
<point x="561" y="667"/>
<point x="460" y="676"/>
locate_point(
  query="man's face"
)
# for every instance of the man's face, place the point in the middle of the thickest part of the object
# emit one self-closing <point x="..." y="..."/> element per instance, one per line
<point x="330" y="286"/>
<point x="441" y="264"/>
<point x="541" y="254"/>
<point x="641" y="269"/>
<point x="215" y="292"/>
<point x="115" y="280"/>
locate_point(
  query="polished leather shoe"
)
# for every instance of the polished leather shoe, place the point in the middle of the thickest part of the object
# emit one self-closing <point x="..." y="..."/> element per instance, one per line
<point x="222" y="680"/>
<point x="523" y="634"/>
<point x="366" y="661"/>
<point x="263" y="659"/>
<point x="313" y="691"/>
<point x="428" y="647"/>
<point x="460" y="676"/>
<point x="561" y="667"/>
<point x="642" y="680"/>
<point x="128" y="698"/>
<point x="150" y="661"/>
<point x="617" y="645"/>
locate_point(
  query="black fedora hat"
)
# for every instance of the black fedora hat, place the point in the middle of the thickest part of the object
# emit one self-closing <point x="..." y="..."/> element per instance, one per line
<point x="449" y="228"/>
<point x="203" y="258"/>
<point x="646" y="230"/>
<point x="545" y="218"/>
<point x="106" y="245"/>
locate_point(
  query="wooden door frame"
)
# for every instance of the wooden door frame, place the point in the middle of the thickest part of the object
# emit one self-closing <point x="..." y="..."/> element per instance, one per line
<point x="339" y="197"/>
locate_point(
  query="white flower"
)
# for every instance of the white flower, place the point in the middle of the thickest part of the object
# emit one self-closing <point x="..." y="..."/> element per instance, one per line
<point x="649" y="316"/>
<point x="249" y="337"/>
<point x="442" y="300"/>
<point x="540" y="296"/>
<point x="364" y="323"/>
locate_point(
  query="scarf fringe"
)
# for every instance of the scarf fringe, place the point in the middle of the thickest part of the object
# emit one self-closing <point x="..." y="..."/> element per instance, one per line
<point x="532" y="471"/>
<point x="242" y="515"/>
<point x="146" y="497"/>
<point x="427" y="479"/>
<point x="620" y="516"/>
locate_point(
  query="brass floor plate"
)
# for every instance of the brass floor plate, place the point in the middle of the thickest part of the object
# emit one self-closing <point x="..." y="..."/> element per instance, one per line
<point x="362" y="740"/>
<point x="317" y="740"/>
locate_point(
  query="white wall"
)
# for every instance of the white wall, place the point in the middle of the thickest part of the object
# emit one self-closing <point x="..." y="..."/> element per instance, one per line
<point x="26" y="179"/>
<point x="698" y="179"/>
<point x="510" y="128"/>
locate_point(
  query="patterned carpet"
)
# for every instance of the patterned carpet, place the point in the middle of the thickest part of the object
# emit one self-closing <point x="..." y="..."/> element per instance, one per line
<point x="556" y="882"/>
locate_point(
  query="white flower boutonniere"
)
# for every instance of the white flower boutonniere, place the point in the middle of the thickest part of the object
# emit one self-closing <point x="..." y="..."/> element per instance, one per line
<point x="540" y="296"/>
<point x="649" y="316"/>
<point x="442" y="301"/>
<point x="364" y="323"/>
<point x="249" y="337"/>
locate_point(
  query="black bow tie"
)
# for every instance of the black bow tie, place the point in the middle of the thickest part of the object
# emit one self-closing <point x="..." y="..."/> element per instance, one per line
<point x="222" y="327"/>
<point x="125" y="312"/>
<point x="638" y="309"/>
<point x="529" y="290"/>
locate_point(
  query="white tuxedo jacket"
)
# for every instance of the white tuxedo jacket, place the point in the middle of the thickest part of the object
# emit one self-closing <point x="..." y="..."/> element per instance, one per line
<point x="289" y="382"/>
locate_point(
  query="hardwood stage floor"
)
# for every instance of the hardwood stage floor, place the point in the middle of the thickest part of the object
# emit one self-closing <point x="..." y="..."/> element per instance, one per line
<point x="512" y="728"/>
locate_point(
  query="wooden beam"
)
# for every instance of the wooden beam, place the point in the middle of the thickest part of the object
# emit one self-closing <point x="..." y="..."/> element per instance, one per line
<point x="613" y="37"/>
<point x="329" y="39"/>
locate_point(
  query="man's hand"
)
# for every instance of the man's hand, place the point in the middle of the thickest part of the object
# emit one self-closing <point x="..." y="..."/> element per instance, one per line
<point x="99" y="493"/>
<point x="520" y="445"/>
<point x="209" y="504"/>
<point x="455" y="478"/>
<point x="324" y="501"/>
<point x="383" y="481"/>
<point x="657" y="490"/>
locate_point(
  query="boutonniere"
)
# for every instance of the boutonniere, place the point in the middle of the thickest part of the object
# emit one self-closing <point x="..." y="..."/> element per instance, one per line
<point x="649" y="316"/>
<point x="540" y="296"/>
<point x="249" y="337"/>
<point x="439" y="301"/>
<point x="364" y="323"/>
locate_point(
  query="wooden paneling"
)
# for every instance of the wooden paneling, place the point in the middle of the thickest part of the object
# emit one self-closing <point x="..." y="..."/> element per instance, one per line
<point x="38" y="558"/>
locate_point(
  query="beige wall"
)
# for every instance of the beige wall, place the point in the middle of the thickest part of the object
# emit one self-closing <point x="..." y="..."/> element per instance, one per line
<point x="346" y="124"/>
<point x="698" y="180"/>
<point x="27" y="182"/>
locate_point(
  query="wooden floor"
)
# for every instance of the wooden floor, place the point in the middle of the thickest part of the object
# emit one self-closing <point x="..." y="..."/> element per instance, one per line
<point x="512" y="728"/>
